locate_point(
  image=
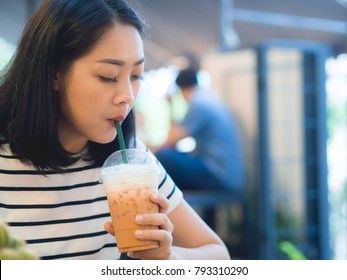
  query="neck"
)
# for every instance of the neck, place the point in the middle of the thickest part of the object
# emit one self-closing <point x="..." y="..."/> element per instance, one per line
<point x="188" y="92"/>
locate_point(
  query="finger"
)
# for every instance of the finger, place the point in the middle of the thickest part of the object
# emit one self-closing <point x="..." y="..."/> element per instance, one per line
<point x="157" y="219"/>
<point x="131" y="255"/>
<point x="162" y="202"/>
<point x="162" y="236"/>
<point x="109" y="228"/>
<point x="151" y="254"/>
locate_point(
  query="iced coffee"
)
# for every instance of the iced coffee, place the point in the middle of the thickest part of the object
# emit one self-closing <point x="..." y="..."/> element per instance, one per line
<point x="129" y="187"/>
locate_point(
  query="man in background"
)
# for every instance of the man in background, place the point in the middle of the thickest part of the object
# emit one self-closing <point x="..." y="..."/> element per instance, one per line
<point x="216" y="161"/>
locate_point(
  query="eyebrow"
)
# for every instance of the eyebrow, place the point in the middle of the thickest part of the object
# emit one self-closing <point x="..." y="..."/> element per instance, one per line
<point x="119" y="62"/>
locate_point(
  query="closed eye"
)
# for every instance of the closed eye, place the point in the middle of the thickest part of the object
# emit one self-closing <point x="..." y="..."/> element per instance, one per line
<point x="137" y="77"/>
<point x="108" y="80"/>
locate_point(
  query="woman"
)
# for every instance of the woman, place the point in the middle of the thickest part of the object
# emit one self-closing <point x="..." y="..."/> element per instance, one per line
<point x="78" y="68"/>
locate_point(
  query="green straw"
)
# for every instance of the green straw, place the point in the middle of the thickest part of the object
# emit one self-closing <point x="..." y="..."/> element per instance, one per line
<point x="121" y="141"/>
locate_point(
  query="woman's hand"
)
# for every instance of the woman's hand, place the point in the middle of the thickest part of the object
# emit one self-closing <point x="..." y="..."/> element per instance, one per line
<point x="163" y="235"/>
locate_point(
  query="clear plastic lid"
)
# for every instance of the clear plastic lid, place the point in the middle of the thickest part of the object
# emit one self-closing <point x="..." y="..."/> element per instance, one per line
<point x="138" y="161"/>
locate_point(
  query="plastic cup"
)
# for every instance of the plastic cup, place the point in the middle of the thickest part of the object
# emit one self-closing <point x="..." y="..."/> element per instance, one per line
<point x="128" y="188"/>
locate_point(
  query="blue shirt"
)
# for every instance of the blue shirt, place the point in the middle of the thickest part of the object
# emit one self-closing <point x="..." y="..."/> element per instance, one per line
<point x="212" y="125"/>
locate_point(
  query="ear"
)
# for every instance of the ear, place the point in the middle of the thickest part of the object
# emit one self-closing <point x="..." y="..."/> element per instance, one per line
<point x="56" y="81"/>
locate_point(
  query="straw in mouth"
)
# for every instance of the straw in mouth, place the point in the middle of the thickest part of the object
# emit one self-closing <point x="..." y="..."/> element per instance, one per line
<point x="121" y="142"/>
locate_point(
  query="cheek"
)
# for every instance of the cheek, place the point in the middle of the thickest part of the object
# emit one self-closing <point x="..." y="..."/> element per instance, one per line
<point x="76" y="102"/>
<point x="83" y="94"/>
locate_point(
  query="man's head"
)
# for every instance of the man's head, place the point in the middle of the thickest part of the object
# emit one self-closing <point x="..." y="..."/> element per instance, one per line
<point x="186" y="78"/>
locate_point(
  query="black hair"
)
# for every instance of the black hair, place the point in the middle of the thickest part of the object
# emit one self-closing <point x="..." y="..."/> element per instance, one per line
<point x="58" y="33"/>
<point x="187" y="78"/>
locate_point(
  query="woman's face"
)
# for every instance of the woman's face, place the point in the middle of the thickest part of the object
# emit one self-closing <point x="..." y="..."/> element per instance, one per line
<point x="100" y="88"/>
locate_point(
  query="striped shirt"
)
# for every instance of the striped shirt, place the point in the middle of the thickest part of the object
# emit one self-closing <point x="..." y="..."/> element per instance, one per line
<point x="62" y="216"/>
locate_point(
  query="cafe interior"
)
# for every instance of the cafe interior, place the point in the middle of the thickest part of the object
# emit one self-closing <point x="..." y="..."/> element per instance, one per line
<point x="281" y="68"/>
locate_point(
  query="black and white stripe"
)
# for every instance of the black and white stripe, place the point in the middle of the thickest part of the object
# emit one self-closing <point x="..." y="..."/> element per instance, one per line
<point x="61" y="215"/>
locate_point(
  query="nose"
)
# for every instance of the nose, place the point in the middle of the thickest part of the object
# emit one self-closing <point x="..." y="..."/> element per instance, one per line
<point x="124" y="93"/>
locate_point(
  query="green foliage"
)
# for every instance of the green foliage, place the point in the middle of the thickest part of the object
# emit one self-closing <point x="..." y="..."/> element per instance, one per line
<point x="291" y="251"/>
<point x="12" y="248"/>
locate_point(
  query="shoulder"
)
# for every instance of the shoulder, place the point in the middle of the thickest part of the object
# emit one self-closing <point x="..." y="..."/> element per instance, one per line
<point x="12" y="169"/>
<point x="8" y="161"/>
<point x="202" y="98"/>
<point x="5" y="149"/>
<point x="12" y="164"/>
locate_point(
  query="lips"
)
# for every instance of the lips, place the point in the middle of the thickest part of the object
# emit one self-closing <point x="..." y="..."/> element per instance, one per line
<point x="118" y="118"/>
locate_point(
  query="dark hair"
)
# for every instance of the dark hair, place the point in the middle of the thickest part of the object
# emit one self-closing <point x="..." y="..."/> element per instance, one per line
<point x="58" y="33"/>
<point x="187" y="78"/>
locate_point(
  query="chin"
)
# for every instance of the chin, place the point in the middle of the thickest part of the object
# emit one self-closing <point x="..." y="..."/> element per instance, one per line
<point x="104" y="140"/>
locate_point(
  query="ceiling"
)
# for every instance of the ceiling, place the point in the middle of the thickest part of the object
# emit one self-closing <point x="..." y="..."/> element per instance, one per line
<point x="193" y="27"/>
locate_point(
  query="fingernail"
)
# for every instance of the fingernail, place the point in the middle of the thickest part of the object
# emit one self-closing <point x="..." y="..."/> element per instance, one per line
<point x="155" y="196"/>
<point x="138" y="232"/>
<point x="139" y="218"/>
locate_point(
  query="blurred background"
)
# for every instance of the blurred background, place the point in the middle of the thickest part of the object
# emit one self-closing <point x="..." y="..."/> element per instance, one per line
<point x="281" y="67"/>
